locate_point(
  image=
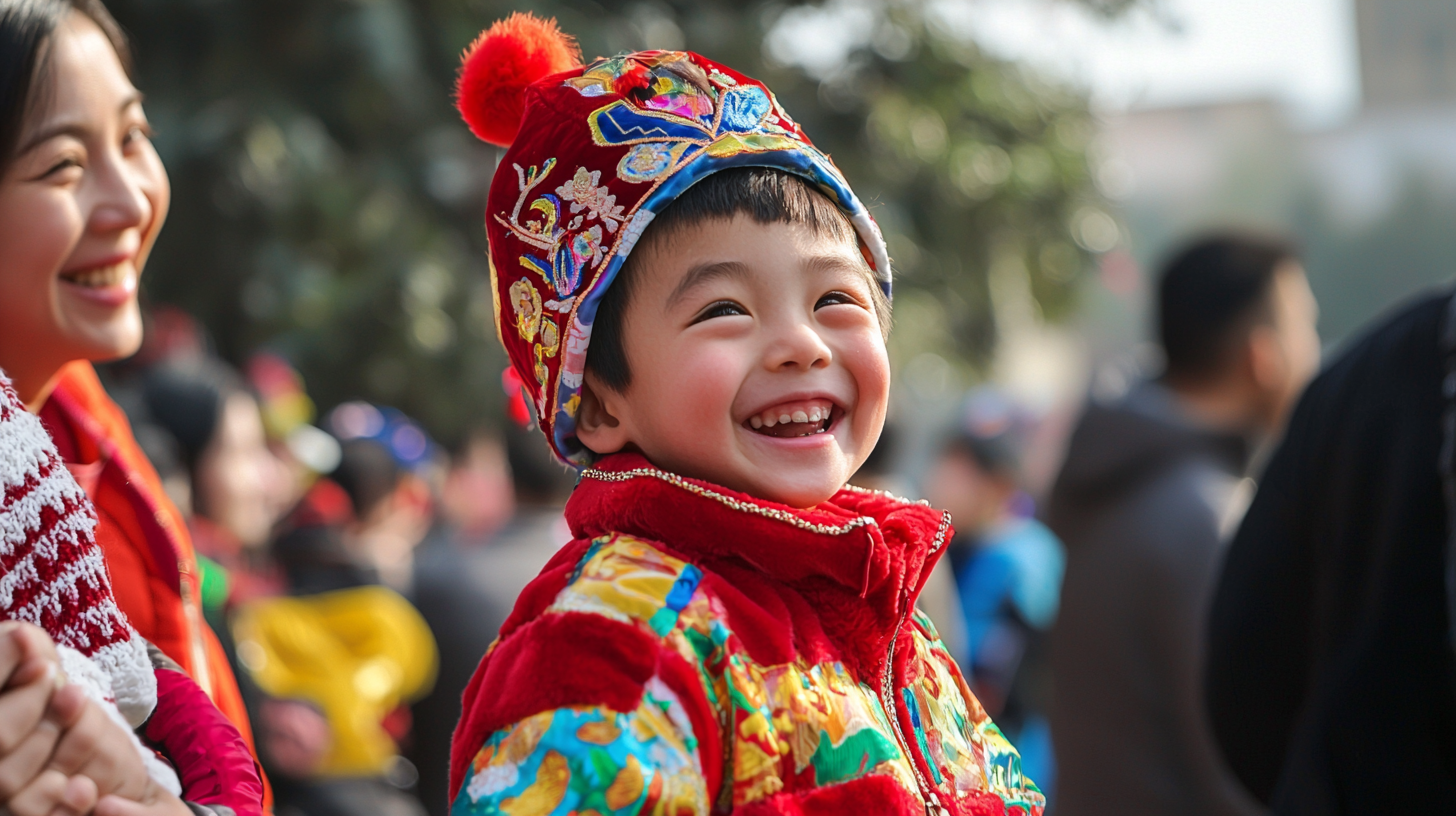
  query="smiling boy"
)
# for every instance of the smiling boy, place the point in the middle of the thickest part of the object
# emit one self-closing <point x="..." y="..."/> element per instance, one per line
<point x="698" y="305"/>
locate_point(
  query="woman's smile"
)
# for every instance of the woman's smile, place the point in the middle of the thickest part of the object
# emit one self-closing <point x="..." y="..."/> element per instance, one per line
<point x="111" y="284"/>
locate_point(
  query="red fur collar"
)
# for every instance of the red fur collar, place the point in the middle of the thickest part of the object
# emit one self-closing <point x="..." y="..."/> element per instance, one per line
<point x="861" y="558"/>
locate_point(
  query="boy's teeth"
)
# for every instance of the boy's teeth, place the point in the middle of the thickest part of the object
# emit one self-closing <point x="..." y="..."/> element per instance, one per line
<point x="795" y="413"/>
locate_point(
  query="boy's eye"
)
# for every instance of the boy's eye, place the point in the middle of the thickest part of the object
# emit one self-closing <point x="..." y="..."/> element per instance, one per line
<point x="836" y="299"/>
<point x="720" y="308"/>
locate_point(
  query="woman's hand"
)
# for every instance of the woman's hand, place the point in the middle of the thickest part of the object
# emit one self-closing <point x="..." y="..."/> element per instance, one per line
<point x="93" y="758"/>
<point x="29" y="678"/>
<point x="94" y="745"/>
<point x="156" y="802"/>
<point x="59" y="751"/>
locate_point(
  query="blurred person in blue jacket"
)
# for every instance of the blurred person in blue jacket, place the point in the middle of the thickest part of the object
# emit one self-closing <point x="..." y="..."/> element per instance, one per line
<point x="1008" y="571"/>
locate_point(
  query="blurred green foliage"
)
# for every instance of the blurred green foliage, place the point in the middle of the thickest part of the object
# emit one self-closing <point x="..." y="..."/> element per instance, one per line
<point x="328" y="203"/>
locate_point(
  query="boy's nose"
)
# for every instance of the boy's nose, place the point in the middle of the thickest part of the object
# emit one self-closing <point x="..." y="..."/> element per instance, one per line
<point x="799" y="347"/>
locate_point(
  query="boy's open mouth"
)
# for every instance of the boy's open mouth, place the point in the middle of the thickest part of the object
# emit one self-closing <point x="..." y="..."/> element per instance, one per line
<point x="792" y="419"/>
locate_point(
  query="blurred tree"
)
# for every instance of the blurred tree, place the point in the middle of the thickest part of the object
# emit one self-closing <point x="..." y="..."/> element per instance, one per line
<point x="327" y="201"/>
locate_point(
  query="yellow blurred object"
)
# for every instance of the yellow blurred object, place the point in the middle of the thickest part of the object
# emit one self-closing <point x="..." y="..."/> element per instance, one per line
<point x="283" y="413"/>
<point x="357" y="654"/>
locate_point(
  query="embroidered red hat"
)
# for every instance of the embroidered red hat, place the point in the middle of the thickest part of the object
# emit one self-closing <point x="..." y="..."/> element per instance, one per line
<point x="52" y="572"/>
<point x="593" y="153"/>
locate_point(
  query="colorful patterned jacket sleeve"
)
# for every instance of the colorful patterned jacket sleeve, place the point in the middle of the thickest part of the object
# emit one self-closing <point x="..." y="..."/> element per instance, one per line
<point x="590" y="759"/>
<point x="630" y="738"/>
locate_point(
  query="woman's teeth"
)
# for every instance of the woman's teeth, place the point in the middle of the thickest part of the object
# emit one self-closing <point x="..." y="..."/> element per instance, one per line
<point x="796" y="419"/>
<point x="98" y="278"/>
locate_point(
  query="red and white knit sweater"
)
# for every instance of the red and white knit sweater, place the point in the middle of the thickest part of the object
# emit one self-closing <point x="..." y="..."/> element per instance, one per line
<point x="53" y="574"/>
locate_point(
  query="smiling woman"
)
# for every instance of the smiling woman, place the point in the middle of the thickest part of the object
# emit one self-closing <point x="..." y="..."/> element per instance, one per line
<point x="83" y="195"/>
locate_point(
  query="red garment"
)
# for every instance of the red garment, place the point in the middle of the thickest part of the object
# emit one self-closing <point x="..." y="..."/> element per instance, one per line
<point x="212" y="761"/>
<point x="142" y="533"/>
<point x="766" y="660"/>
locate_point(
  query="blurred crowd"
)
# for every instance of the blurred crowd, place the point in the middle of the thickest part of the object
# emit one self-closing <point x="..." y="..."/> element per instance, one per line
<point x="353" y="569"/>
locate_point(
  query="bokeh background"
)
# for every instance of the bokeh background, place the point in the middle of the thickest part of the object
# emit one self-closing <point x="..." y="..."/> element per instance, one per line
<point x="1030" y="161"/>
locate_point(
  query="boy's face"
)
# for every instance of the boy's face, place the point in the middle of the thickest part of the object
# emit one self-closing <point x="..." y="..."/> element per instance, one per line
<point x="757" y="361"/>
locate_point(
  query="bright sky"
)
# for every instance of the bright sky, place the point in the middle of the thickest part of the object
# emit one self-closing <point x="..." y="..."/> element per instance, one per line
<point x="1302" y="52"/>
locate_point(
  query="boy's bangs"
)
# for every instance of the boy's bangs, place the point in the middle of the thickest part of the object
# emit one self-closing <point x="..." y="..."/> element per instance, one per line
<point x="765" y="194"/>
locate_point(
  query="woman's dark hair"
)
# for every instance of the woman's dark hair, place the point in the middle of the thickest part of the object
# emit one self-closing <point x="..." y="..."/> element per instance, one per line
<point x="26" y="29"/>
<point x="1213" y="292"/>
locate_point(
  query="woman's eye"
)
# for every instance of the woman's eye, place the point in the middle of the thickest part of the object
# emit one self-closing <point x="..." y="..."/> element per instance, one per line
<point x="136" y="134"/>
<point x="722" y="308"/>
<point x="60" y="167"/>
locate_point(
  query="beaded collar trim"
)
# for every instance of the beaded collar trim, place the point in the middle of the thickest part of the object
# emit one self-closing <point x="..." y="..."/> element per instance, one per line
<point x="737" y="504"/>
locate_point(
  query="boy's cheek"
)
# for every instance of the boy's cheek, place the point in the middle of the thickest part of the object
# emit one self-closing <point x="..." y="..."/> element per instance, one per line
<point x="701" y="381"/>
<point x="868" y="362"/>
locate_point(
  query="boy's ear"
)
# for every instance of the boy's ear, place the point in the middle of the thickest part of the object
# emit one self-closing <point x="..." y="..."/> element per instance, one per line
<point x="598" y="424"/>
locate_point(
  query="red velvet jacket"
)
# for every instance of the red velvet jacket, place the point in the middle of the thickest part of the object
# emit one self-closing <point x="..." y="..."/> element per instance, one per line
<point x="695" y="650"/>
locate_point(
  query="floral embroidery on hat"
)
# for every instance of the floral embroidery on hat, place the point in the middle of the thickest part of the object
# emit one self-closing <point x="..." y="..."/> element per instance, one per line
<point x="585" y="193"/>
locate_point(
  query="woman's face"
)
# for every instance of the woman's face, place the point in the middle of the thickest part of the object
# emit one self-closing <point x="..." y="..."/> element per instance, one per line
<point x="236" y="474"/>
<point x="80" y="207"/>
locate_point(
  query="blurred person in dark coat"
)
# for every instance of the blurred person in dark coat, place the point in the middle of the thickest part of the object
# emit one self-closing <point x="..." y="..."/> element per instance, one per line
<point x="1331" y="681"/>
<point x="1150" y="486"/>
<point x="468" y="574"/>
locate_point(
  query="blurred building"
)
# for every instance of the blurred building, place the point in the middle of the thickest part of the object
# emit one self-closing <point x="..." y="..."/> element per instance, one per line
<point x="1407" y="52"/>
<point x="1371" y="198"/>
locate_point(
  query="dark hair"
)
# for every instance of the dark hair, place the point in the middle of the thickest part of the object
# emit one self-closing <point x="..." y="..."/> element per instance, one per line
<point x="26" y="28"/>
<point x="536" y="475"/>
<point x="765" y="194"/>
<point x="1212" y="293"/>
<point x="367" y="472"/>
<point x="996" y="455"/>
<point x="186" y="399"/>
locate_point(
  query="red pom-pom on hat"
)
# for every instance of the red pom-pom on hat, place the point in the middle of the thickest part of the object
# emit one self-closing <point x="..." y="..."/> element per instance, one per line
<point x="497" y="68"/>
